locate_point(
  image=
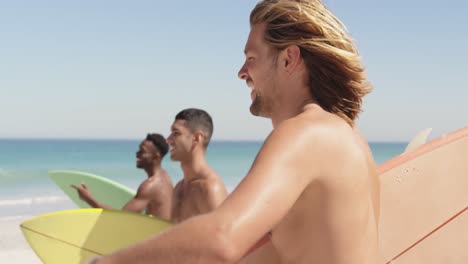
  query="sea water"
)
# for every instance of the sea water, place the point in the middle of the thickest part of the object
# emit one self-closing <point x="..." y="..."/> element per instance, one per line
<point x="26" y="189"/>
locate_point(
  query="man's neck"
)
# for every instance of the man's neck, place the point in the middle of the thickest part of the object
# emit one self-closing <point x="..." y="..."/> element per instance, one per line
<point x="153" y="170"/>
<point x="289" y="110"/>
<point x="194" y="166"/>
<point x="293" y="94"/>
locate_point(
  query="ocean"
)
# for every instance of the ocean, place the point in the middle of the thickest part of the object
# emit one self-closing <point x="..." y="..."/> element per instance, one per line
<point x="26" y="190"/>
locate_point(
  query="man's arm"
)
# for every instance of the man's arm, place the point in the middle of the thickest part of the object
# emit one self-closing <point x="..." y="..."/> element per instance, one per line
<point x="266" y="254"/>
<point x="136" y="204"/>
<point x="273" y="184"/>
<point x="151" y="193"/>
<point x="139" y="203"/>
<point x="85" y="194"/>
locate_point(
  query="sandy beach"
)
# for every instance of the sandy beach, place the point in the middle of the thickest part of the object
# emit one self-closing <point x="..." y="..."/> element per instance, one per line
<point x="13" y="246"/>
<point x="16" y="209"/>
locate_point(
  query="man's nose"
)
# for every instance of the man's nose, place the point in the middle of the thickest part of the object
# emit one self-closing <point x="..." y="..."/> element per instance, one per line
<point x="243" y="73"/>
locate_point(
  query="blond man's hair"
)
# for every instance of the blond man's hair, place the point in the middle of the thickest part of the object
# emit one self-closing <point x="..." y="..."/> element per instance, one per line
<point x="336" y="78"/>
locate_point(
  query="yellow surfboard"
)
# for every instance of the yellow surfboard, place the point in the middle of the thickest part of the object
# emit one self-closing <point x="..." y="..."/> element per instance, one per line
<point x="74" y="236"/>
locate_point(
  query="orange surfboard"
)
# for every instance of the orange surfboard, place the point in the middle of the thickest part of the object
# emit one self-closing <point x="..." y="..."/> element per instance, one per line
<point x="424" y="199"/>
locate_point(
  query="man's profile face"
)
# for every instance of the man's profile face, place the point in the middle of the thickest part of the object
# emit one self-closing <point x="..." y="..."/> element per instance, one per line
<point x="180" y="140"/>
<point x="259" y="71"/>
<point x="145" y="154"/>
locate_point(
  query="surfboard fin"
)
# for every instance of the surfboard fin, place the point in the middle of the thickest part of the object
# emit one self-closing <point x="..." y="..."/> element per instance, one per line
<point x="418" y="140"/>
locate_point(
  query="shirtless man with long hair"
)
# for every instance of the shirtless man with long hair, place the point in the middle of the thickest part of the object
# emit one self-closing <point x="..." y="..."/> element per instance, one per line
<point x="313" y="187"/>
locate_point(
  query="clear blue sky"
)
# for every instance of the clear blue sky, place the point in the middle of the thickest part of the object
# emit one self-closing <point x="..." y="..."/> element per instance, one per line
<point x="120" y="69"/>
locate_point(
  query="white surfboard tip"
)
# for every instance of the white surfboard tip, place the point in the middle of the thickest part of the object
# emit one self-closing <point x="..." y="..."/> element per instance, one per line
<point x="418" y="140"/>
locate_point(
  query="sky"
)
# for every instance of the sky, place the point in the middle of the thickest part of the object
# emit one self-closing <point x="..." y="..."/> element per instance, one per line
<point x="120" y="69"/>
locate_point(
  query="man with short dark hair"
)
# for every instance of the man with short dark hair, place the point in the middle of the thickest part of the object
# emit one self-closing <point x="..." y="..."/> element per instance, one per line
<point x="202" y="189"/>
<point x="154" y="194"/>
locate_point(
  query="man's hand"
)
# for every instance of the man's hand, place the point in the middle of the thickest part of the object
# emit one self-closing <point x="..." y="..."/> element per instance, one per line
<point x="84" y="193"/>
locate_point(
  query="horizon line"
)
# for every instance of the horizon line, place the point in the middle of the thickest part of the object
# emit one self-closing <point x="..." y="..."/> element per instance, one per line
<point x="138" y="139"/>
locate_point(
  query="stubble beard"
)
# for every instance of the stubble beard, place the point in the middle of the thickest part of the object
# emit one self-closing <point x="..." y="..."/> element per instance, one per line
<point x="173" y="157"/>
<point x="258" y="107"/>
<point x="262" y="105"/>
<point x="141" y="164"/>
<point x="177" y="156"/>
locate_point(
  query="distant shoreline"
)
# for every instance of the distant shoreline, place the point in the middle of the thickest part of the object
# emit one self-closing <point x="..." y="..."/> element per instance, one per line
<point x="12" y="139"/>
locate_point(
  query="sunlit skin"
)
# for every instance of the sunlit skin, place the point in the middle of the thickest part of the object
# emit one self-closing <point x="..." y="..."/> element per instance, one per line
<point x="285" y="237"/>
<point x="313" y="185"/>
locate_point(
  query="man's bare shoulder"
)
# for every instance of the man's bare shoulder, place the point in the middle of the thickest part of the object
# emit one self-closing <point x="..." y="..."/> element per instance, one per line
<point x="156" y="185"/>
<point x="209" y="191"/>
<point x="211" y="182"/>
<point x="314" y="137"/>
<point x="315" y="126"/>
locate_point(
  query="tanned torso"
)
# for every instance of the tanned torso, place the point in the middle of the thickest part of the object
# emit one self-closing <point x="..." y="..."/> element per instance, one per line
<point x="200" y="195"/>
<point x="341" y="202"/>
<point x="157" y="191"/>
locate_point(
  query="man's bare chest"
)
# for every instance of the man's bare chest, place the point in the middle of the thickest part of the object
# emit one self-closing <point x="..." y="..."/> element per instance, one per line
<point x="186" y="203"/>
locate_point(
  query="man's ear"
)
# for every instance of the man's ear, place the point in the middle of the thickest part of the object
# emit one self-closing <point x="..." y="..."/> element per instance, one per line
<point x="291" y="58"/>
<point x="158" y="154"/>
<point x="198" y="137"/>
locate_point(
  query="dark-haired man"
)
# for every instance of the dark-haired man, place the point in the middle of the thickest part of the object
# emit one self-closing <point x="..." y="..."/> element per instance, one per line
<point x="202" y="189"/>
<point x="155" y="193"/>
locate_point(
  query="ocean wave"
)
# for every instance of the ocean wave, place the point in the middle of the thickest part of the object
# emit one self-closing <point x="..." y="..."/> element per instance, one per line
<point x="4" y="174"/>
<point x="15" y="218"/>
<point x="41" y="200"/>
<point x="13" y="208"/>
